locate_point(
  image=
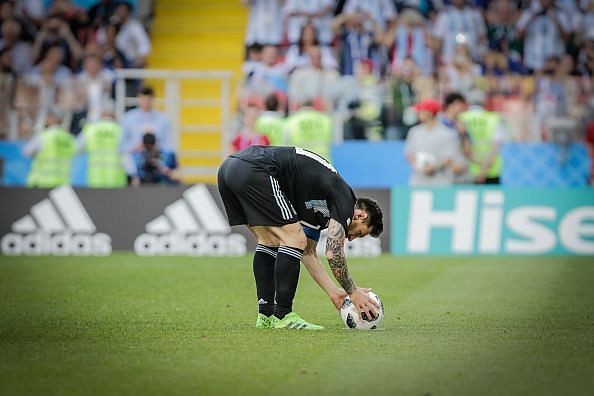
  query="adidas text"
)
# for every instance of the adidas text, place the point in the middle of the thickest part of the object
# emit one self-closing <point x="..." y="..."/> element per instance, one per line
<point x="61" y="244"/>
<point x="191" y="245"/>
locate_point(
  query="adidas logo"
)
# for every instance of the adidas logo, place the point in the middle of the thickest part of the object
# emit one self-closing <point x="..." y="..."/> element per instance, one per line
<point x="193" y="225"/>
<point x="58" y="225"/>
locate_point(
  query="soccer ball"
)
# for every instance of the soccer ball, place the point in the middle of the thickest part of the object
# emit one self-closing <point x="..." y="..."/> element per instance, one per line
<point x="350" y="317"/>
<point x="424" y="159"/>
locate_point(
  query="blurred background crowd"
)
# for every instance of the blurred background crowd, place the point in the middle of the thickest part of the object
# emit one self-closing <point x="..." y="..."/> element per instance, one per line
<point x="529" y="60"/>
<point x="320" y="71"/>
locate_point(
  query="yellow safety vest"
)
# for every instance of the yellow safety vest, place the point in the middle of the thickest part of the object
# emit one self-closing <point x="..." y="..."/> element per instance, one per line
<point x="481" y="126"/>
<point x="311" y="130"/>
<point x="52" y="165"/>
<point x="102" y="141"/>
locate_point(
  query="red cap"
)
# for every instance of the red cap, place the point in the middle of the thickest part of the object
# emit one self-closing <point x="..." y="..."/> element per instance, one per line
<point x="430" y="105"/>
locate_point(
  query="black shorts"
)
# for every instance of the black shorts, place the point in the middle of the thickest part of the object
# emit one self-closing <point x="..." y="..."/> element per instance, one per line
<point x="253" y="197"/>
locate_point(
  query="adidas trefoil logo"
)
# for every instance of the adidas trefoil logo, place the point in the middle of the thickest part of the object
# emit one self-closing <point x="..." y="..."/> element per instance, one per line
<point x="58" y="225"/>
<point x="193" y="225"/>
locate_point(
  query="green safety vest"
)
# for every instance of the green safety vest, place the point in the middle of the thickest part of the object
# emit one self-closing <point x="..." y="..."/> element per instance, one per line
<point x="481" y="127"/>
<point x="52" y="165"/>
<point x="273" y="128"/>
<point x="311" y="130"/>
<point x="102" y="142"/>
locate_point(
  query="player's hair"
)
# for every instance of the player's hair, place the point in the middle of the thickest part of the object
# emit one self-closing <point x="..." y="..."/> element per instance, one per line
<point x="452" y="98"/>
<point x="374" y="215"/>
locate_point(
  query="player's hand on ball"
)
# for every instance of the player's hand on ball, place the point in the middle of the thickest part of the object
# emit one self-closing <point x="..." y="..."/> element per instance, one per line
<point x="364" y="303"/>
<point x="338" y="297"/>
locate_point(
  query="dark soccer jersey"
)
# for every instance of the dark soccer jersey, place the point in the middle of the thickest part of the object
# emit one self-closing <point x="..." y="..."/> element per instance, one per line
<point x="316" y="190"/>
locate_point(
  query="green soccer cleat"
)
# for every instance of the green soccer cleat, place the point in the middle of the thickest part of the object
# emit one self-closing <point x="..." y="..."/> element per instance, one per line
<point x="263" y="321"/>
<point x="293" y="321"/>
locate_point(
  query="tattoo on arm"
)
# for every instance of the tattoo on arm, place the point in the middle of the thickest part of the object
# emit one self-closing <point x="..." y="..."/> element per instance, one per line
<point x="336" y="257"/>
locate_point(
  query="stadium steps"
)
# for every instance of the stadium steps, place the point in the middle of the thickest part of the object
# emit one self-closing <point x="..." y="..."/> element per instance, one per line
<point x="199" y="35"/>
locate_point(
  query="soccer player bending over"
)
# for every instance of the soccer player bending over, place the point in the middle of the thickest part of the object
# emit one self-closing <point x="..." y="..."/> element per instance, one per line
<point x="286" y="196"/>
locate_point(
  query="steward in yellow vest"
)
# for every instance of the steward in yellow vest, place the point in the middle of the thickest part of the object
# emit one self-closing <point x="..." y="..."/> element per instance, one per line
<point x="484" y="130"/>
<point x="105" y="166"/>
<point x="52" y="151"/>
<point x="271" y="123"/>
<point x="311" y="130"/>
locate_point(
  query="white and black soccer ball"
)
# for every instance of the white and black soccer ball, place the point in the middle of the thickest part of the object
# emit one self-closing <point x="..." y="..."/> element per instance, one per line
<point x="350" y="316"/>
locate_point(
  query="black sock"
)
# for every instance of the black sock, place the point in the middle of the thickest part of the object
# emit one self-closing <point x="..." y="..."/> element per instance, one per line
<point x="264" y="259"/>
<point x="286" y="277"/>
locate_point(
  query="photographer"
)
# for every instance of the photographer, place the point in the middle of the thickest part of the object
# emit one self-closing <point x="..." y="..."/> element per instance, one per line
<point x="154" y="165"/>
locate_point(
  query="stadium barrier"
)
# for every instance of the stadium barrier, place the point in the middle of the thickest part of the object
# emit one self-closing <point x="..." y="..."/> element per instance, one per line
<point x="182" y="220"/>
<point x="382" y="165"/>
<point x="492" y="221"/>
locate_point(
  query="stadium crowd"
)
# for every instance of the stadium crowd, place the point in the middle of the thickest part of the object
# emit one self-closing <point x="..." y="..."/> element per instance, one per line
<point x="318" y="71"/>
<point x="524" y="67"/>
<point x="57" y="75"/>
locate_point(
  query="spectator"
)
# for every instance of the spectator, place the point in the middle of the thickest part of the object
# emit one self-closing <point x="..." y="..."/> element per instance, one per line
<point x="487" y="134"/>
<point x="264" y="22"/>
<point x="76" y="17"/>
<point x="408" y="36"/>
<point x="381" y="12"/>
<point x="311" y="130"/>
<point x="370" y="92"/>
<point x="33" y="10"/>
<point x="53" y="62"/>
<point x="431" y="148"/>
<point x="101" y="140"/>
<point x="8" y="9"/>
<point x="92" y="89"/>
<point x="269" y="75"/>
<point x="20" y="50"/>
<point x="112" y="57"/>
<point x="453" y="105"/>
<point x="52" y="150"/>
<point x="56" y="32"/>
<point x="400" y="116"/>
<point x="100" y="13"/>
<point x="427" y="8"/>
<point x="248" y="136"/>
<point x="501" y="17"/>
<point x="50" y="85"/>
<point x="132" y="39"/>
<point x="154" y="165"/>
<point x="550" y="99"/>
<point x="142" y="120"/>
<point x="298" y="13"/>
<point x="586" y="31"/>
<point x="545" y="29"/>
<point x="565" y="75"/>
<point x="8" y="84"/>
<point x="357" y="43"/>
<point x="271" y="123"/>
<point x="457" y="24"/>
<point x="253" y="61"/>
<point x="462" y="73"/>
<point x="308" y="83"/>
<point x="355" y="127"/>
<point x="585" y="65"/>
<point x="298" y="54"/>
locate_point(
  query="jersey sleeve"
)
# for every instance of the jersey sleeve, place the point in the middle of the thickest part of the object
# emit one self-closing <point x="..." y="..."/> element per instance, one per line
<point x="342" y="205"/>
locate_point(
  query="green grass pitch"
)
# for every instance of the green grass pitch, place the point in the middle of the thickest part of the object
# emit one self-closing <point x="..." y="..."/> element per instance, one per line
<point x="185" y="326"/>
